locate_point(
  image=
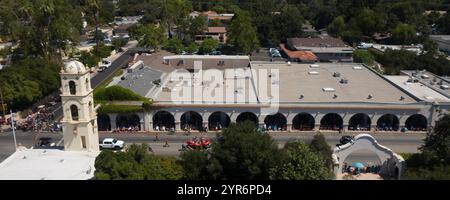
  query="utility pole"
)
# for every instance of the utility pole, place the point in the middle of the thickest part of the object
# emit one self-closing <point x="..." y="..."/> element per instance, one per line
<point x="13" y="129"/>
<point x="3" y="107"/>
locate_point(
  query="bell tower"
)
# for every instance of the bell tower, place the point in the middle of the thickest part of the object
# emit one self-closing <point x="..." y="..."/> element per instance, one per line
<point x="80" y="118"/>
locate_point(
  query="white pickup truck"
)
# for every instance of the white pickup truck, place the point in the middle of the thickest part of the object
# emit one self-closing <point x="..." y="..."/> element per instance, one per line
<point x="111" y="143"/>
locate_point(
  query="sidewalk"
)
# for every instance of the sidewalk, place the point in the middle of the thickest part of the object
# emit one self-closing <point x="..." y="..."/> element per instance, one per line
<point x="283" y="134"/>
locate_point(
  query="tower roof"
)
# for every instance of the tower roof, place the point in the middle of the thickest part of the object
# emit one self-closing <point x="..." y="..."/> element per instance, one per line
<point x="74" y="67"/>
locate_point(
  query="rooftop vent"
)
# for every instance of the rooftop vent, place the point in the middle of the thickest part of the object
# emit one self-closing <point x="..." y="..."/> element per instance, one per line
<point x="343" y="81"/>
<point x="370" y="96"/>
<point x="357" y="68"/>
<point x="301" y="96"/>
<point x="336" y="74"/>
<point x="335" y="96"/>
<point x="314" y="66"/>
<point x="402" y="98"/>
<point x="289" y="63"/>
<point x="328" y="89"/>
<point x="313" y="73"/>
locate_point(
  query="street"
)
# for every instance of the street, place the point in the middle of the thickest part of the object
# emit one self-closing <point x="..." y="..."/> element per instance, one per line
<point x="100" y="77"/>
<point x="398" y="143"/>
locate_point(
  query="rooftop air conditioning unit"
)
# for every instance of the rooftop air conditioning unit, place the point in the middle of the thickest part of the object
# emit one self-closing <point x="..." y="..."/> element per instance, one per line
<point x="313" y="73"/>
<point x="336" y="74"/>
<point x="314" y="66"/>
<point x="344" y="81"/>
<point x="328" y="89"/>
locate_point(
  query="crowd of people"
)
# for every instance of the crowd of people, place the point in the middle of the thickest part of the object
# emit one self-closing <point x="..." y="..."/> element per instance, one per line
<point x="39" y="119"/>
<point x="374" y="169"/>
<point x="274" y="128"/>
<point x="164" y="129"/>
<point x="128" y="129"/>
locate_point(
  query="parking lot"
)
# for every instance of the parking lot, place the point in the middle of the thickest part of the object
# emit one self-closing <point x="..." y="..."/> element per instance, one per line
<point x="264" y="55"/>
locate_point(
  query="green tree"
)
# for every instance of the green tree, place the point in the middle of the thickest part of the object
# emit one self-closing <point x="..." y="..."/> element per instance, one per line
<point x="301" y="163"/>
<point x="119" y="43"/>
<point x="242" y="153"/>
<point x="438" y="142"/>
<point x="363" y="56"/>
<point x="192" y="48"/>
<point x="136" y="164"/>
<point x="89" y="59"/>
<point x="174" y="45"/>
<point x="195" y="165"/>
<point x="173" y="12"/>
<point x="404" y="34"/>
<point x="209" y="45"/>
<point x="337" y="27"/>
<point x="242" y="34"/>
<point x="320" y="145"/>
<point x="150" y="36"/>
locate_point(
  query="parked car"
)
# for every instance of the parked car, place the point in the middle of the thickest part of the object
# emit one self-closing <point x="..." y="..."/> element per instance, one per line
<point x="346" y="139"/>
<point x="111" y="143"/>
<point x="46" y="142"/>
<point x="274" y="52"/>
<point x="105" y="63"/>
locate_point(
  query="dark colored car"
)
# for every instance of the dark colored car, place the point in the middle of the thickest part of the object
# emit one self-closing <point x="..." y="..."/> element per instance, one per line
<point x="346" y="139"/>
<point x="45" y="142"/>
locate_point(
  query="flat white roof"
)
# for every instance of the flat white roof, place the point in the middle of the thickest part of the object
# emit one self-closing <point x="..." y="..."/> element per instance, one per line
<point x="417" y="89"/>
<point x="48" y="164"/>
<point x="204" y="57"/>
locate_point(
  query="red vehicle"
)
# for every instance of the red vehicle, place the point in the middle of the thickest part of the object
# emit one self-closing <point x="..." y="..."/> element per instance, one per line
<point x="199" y="144"/>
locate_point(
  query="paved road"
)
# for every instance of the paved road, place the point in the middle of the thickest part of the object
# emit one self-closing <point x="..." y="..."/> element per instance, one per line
<point x="398" y="143"/>
<point x="102" y="76"/>
<point x="24" y="138"/>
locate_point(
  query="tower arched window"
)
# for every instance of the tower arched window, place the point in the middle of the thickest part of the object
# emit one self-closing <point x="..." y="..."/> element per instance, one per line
<point x="74" y="112"/>
<point x="87" y="85"/>
<point x="90" y="108"/>
<point x="72" y="88"/>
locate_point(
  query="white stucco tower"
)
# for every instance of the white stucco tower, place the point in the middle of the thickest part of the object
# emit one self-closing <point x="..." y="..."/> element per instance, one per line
<point x="80" y="118"/>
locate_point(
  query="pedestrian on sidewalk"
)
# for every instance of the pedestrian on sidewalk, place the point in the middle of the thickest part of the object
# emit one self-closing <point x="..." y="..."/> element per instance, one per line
<point x="156" y="137"/>
<point x="167" y="143"/>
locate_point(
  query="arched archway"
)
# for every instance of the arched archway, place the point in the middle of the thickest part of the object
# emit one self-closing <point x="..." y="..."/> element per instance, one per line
<point x="331" y="121"/>
<point x="191" y="121"/>
<point x="72" y="88"/>
<point x="360" y="122"/>
<point x="389" y="160"/>
<point x="103" y="122"/>
<point x="218" y="120"/>
<point x="388" y="122"/>
<point x="303" y="122"/>
<point x="276" y="122"/>
<point x="74" y="112"/>
<point x="128" y="122"/>
<point x="163" y="120"/>
<point x="416" y="122"/>
<point x="247" y="116"/>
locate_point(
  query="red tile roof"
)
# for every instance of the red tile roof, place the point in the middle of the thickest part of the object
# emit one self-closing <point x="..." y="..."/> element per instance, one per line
<point x="301" y="55"/>
<point x="216" y="30"/>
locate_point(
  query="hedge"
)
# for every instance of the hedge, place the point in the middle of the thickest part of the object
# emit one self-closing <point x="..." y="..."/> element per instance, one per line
<point x="110" y="108"/>
<point x="117" y="93"/>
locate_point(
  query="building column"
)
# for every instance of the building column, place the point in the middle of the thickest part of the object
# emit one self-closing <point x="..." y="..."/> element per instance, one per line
<point x="142" y="125"/>
<point x="289" y="127"/>
<point x="112" y="120"/>
<point x="147" y="122"/>
<point x="205" y="124"/>
<point x="178" y="126"/>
